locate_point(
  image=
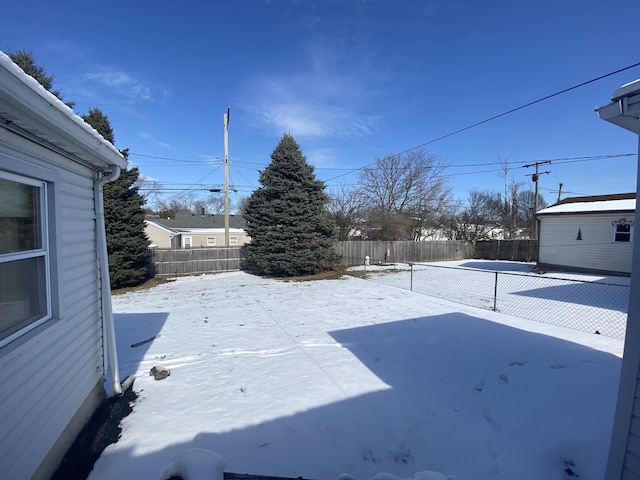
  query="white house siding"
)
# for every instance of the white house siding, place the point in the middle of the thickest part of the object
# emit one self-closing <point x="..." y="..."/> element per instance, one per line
<point x="596" y="250"/>
<point x="199" y="238"/>
<point x="50" y="373"/>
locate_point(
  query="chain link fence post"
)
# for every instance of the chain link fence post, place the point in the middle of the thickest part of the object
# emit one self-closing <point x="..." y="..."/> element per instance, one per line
<point x="411" y="283"/>
<point x="495" y="293"/>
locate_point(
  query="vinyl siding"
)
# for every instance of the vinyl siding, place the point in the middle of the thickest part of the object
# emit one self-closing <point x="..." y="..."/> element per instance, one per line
<point x="596" y="251"/>
<point x="631" y="469"/>
<point x="47" y="374"/>
<point x="158" y="236"/>
<point x="200" y="239"/>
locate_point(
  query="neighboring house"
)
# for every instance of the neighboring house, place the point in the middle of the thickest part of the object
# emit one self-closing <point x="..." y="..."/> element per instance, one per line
<point x="588" y="234"/>
<point x="191" y="231"/>
<point x="624" y="452"/>
<point x="55" y="309"/>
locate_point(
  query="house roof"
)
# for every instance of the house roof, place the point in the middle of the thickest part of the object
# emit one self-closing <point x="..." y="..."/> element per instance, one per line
<point x="28" y="109"/>
<point x="620" y="202"/>
<point x="183" y="222"/>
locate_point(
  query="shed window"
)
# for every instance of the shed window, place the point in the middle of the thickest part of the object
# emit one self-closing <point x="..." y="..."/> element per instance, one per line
<point x="187" y="242"/>
<point x="233" y="240"/>
<point x="622" y="232"/>
<point x="25" y="292"/>
<point x="211" y="241"/>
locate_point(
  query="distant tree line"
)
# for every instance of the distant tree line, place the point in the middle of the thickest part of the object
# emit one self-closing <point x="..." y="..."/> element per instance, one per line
<point x="406" y="197"/>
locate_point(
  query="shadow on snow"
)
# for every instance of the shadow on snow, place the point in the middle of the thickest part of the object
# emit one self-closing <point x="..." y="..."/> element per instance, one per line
<point x="497" y="383"/>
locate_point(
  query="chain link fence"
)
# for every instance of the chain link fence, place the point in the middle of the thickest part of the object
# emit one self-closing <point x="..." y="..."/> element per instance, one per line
<point x="590" y="306"/>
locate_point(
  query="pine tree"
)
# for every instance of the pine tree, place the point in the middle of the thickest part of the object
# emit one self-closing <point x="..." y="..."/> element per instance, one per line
<point x="127" y="242"/>
<point x="26" y="61"/>
<point x="100" y="122"/>
<point x="291" y="233"/>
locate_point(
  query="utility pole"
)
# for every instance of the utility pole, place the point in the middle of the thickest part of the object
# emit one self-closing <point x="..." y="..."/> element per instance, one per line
<point x="226" y="177"/>
<point x="535" y="177"/>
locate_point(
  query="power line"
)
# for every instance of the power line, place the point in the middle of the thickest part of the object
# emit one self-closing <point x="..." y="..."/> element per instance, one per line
<point x="173" y="159"/>
<point x="508" y="112"/>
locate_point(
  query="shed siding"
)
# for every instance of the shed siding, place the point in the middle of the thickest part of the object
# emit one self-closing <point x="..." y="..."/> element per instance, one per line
<point x="597" y="250"/>
<point x="46" y="376"/>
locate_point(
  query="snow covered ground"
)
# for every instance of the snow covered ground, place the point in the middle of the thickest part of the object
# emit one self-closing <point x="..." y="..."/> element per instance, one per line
<point x="317" y="379"/>
<point x="584" y="302"/>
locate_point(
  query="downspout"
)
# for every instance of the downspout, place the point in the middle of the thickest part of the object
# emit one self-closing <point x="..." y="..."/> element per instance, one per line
<point x="108" y="327"/>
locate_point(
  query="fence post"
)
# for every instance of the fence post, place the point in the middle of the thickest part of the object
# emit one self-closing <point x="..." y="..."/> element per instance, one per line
<point x="495" y="293"/>
<point x="411" y="284"/>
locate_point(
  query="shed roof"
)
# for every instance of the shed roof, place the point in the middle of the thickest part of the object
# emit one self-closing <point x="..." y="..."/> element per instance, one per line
<point x="29" y="110"/>
<point x="620" y="202"/>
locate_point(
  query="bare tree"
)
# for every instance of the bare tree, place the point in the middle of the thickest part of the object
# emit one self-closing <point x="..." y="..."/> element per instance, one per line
<point x="403" y="193"/>
<point x="346" y="208"/>
<point x="478" y="217"/>
<point x="526" y="207"/>
<point x="240" y="205"/>
<point x="213" y="204"/>
<point x="149" y="188"/>
<point x="510" y="202"/>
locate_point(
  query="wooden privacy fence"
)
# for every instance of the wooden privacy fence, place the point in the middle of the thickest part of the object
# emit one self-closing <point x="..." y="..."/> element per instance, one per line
<point x="354" y="252"/>
<point x="194" y="261"/>
<point x="516" y="250"/>
<point x="191" y="261"/>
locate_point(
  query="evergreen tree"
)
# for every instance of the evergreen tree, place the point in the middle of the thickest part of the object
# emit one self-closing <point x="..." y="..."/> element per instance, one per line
<point x="127" y="242"/>
<point x="291" y="232"/>
<point x="100" y="122"/>
<point x="26" y="61"/>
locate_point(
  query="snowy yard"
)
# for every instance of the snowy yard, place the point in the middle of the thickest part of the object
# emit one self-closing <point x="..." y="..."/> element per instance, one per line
<point x="317" y="379"/>
<point x="584" y="302"/>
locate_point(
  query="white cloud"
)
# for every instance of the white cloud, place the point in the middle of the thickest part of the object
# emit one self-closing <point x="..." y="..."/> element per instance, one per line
<point x="150" y="138"/>
<point x="304" y="119"/>
<point x="125" y="84"/>
<point x="321" y="101"/>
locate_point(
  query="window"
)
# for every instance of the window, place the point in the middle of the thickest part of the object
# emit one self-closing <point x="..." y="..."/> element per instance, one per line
<point x="622" y="230"/>
<point x="233" y="240"/>
<point x="25" y="291"/>
<point x="186" y="242"/>
<point x="211" y="241"/>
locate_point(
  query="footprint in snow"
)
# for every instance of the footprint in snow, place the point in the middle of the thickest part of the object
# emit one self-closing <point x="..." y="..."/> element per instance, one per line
<point x="492" y="461"/>
<point x="478" y="387"/>
<point x="517" y="364"/>
<point x="557" y="366"/>
<point x="569" y="472"/>
<point x="495" y="426"/>
<point x="502" y="378"/>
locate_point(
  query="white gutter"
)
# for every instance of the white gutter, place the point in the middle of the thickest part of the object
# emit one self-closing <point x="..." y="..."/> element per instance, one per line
<point x="108" y="328"/>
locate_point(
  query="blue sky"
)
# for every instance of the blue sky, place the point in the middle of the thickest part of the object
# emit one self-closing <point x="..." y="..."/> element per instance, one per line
<point x="351" y="80"/>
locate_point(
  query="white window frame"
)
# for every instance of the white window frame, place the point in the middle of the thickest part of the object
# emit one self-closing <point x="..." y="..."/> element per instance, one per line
<point x="211" y="241"/>
<point x="43" y="252"/>
<point x="233" y="241"/>
<point x="623" y="221"/>
<point x="187" y="242"/>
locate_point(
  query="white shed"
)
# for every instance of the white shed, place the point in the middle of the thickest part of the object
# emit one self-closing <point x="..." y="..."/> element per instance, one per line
<point x="55" y="305"/>
<point x="588" y="234"/>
